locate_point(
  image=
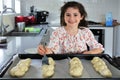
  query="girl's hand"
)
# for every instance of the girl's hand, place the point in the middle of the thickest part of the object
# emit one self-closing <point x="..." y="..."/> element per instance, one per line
<point x="44" y="50"/>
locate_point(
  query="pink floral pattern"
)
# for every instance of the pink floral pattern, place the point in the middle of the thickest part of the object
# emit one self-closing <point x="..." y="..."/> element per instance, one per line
<point x="61" y="42"/>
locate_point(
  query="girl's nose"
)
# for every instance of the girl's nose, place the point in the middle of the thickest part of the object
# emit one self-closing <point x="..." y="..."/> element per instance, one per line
<point x="71" y="18"/>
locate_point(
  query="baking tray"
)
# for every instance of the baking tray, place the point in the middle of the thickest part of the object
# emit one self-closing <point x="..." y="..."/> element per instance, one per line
<point x="62" y="66"/>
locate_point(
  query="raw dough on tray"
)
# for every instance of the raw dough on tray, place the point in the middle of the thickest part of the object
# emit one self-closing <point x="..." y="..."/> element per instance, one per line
<point x="21" y="68"/>
<point x="76" y="67"/>
<point x="48" y="70"/>
<point x="100" y="66"/>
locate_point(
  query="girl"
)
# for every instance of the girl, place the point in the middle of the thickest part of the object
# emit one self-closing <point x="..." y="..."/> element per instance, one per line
<point x="73" y="36"/>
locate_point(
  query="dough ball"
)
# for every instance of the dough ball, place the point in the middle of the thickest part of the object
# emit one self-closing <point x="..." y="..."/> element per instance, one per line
<point x="76" y="72"/>
<point x="19" y="73"/>
<point x="100" y="66"/>
<point x="76" y="67"/>
<point x="48" y="74"/>
<point x="94" y="60"/>
<point x="21" y="68"/>
<point x="13" y="70"/>
<point x="25" y="62"/>
<point x="75" y="61"/>
<point x="16" y="72"/>
<point x="51" y="61"/>
<point x="47" y="71"/>
<point x="106" y="73"/>
<point x="47" y="67"/>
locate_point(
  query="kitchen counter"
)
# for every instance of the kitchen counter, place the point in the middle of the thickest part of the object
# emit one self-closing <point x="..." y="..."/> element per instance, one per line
<point x="19" y="44"/>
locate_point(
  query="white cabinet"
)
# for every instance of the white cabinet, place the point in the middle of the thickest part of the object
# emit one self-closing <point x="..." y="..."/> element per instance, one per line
<point x="109" y="41"/>
<point x="117" y="41"/>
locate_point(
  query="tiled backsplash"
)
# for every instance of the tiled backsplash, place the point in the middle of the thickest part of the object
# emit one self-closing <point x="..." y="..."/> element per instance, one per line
<point x="96" y="9"/>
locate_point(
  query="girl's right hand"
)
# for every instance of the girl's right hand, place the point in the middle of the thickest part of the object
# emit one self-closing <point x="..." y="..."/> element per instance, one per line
<point x="44" y="50"/>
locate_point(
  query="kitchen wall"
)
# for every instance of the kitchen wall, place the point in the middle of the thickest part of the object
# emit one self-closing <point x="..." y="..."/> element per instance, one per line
<point x="96" y="8"/>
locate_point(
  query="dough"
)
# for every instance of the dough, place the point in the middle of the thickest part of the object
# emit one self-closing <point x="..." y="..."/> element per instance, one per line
<point x="21" y="68"/>
<point x="51" y="61"/>
<point x="25" y="62"/>
<point x="100" y="66"/>
<point x="48" y="70"/>
<point x="76" y="67"/>
<point x="75" y="61"/>
<point x="106" y="73"/>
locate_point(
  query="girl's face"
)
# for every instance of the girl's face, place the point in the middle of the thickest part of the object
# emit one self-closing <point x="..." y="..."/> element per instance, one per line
<point x="72" y="17"/>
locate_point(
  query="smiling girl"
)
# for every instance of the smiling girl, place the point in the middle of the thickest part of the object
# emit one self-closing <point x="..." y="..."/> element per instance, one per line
<point x="73" y="36"/>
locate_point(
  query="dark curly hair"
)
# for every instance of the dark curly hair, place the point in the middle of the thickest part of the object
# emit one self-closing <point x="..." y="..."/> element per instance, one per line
<point x="81" y="9"/>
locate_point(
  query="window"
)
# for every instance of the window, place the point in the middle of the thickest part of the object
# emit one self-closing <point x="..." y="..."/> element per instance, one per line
<point x="17" y="6"/>
<point x="7" y="3"/>
<point x="1" y="6"/>
<point x="14" y="4"/>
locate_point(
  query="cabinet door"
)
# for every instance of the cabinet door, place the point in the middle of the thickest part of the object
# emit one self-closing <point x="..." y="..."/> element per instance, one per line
<point x="117" y="41"/>
<point x="109" y="41"/>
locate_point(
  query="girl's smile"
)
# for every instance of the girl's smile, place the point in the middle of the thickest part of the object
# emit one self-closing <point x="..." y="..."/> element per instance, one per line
<point x="72" y="17"/>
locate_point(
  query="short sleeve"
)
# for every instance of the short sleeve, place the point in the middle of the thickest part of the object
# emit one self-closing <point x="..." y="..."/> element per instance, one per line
<point x="90" y="40"/>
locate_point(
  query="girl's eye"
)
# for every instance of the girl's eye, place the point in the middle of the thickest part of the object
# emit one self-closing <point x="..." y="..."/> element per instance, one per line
<point x="71" y="15"/>
<point x="67" y="14"/>
<point x="75" y="15"/>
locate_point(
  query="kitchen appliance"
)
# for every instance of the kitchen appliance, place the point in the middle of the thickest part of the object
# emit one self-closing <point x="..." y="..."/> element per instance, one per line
<point x="21" y="26"/>
<point x="29" y="20"/>
<point x="32" y="12"/>
<point x="41" y="16"/>
<point x="62" y="66"/>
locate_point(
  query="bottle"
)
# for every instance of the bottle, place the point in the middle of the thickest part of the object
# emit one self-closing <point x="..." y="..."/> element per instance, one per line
<point x="109" y="20"/>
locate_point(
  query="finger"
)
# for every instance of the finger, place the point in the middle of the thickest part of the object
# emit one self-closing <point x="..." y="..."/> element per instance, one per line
<point x="41" y="47"/>
<point x="41" y="50"/>
<point x="48" y="51"/>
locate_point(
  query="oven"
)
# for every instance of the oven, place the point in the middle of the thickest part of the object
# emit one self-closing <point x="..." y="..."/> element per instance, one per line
<point x="99" y="35"/>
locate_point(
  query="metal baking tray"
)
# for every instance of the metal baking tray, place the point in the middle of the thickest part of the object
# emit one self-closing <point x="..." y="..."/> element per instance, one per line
<point x="62" y="66"/>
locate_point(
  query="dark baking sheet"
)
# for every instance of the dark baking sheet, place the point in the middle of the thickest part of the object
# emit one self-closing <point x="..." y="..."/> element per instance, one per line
<point x="62" y="66"/>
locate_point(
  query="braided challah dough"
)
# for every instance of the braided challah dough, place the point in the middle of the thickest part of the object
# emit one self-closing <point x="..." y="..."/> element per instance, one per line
<point x="76" y="67"/>
<point x="100" y="66"/>
<point x="48" y="70"/>
<point x="21" y="68"/>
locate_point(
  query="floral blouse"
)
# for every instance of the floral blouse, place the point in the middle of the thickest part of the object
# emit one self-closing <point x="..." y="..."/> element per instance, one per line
<point x="62" y="42"/>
